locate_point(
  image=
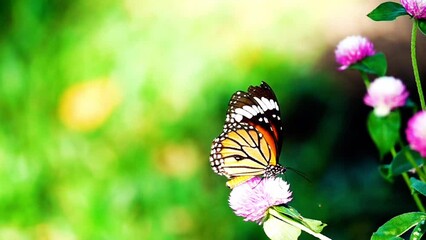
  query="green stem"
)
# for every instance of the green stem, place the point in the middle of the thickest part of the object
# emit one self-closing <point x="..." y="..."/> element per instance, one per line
<point x="414" y="194"/>
<point x="415" y="67"/>
<point x="366" y="79"/>
<point x="407" y="180"/>
<point x="393" y="152"/>
<point x="415" y="166"/>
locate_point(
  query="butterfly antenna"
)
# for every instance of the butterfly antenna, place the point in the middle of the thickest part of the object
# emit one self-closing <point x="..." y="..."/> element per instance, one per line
<point x="300" y="173"/>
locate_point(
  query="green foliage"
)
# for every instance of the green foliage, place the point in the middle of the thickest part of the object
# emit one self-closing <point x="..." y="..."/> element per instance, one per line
<point x="418" y="185"/>
<point x="387" y="11"/>
<point x="314" y="225"/>
<point x="398" y="225"/>
<point x="384" y="130"/>
<point x="400" y="163"/>
<point x="418" y="231"/>
<point x="375" y="64"/>
<point x="422" y="25"/>
<point x="411" y="104"/>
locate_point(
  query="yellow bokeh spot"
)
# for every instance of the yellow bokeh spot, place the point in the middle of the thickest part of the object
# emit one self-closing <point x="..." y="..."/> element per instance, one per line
<point x="179" y="161"/>
<point x="86" y="106"/>
<point x="181" y="214"/>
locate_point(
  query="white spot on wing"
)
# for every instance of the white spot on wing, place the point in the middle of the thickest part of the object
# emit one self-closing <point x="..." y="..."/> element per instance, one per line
<point x="256" y="109"/>
<point x="273" y="103"/>
<point x="261" y="103"/>
<point x="243" y="112"/>
<point x="251" y="110"/>
<point x="267" y="103"/>
<point x="237" y="117"/>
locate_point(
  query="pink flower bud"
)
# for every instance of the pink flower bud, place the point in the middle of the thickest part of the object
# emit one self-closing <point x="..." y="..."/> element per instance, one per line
<point x="416" y="132"/>
<point x="385" y="94"/>
<point x="253" y="198"/>
<point x="416" y="8"/>
<point x="353" y="49"/>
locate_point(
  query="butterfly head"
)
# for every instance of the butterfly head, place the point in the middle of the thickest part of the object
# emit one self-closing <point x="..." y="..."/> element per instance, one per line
<point x="274" y="170"/>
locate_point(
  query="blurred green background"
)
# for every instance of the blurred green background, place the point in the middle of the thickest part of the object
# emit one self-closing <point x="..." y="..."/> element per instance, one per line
<point x="108" y="109"/>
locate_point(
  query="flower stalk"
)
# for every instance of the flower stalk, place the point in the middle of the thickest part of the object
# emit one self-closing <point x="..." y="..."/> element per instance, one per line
<point x="407" y="180"/>
<point x="415" y="166"/>
<point x="414" y="63"/>
<point x="364" y="77"/>
<point x="414" y="194"/>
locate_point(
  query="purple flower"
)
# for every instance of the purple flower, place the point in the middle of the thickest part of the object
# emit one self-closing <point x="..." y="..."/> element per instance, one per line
<point x="416" y="132"/>
<point x="385" y="94"/>
<point x="353" y="49"/>
<point x="253" y="198"/>
<point x="416" y="8"/>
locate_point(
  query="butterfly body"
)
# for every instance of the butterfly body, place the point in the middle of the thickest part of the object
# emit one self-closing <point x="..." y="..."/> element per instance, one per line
<point x="251" y="140"/>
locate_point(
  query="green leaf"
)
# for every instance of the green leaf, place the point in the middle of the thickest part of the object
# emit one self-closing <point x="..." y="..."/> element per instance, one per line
<point x="385" y="172"/>
<point x="418" y="231"/>
<point x="411" y="104"/>
<point x="401" y="163"/>
<point x="315" y="225"/>
<point x="422" y="25"/>
<point x="384" y="130"/>
<point x="375" y="64"/>
<point x="277" y="229"/>
<point x="289" y="211"/>
<point x="387" y="11"/>
<point x="398" y="225"/>
<point x="418" y="185"/>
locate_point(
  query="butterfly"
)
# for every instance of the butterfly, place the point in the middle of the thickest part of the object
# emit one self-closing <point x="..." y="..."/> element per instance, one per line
<point x="251" y="140"/>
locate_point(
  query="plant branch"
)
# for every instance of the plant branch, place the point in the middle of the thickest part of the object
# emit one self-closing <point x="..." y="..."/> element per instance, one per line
<point x="414" y="194"/>
<point x="364" y="77"/>
<point x="407" y="179"/>
<point x="414" y="63"/>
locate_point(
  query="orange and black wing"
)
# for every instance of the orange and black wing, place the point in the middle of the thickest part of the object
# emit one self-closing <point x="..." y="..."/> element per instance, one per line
<point x="251" y="140"/>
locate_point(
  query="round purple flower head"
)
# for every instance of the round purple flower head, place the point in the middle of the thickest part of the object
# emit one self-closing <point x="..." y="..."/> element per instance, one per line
<point x="353" y="49"/>
<point x="252" y="199"/>
<point x="385" y="94"/>
<point x="416" y="132"/>
<point x="416" y="8"/>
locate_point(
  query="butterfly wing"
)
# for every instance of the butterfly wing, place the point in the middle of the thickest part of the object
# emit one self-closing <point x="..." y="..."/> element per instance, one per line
<point x="252" y="136"/>
<point x="259" y="108"/>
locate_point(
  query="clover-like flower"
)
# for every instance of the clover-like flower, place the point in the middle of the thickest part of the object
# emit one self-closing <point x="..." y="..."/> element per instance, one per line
<point x="416" y="132"/>
<point x="416" y="8"/>
<point x="353" y="49"/>
<point x="385" y="94"/>
<point x="253" y="198"/>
